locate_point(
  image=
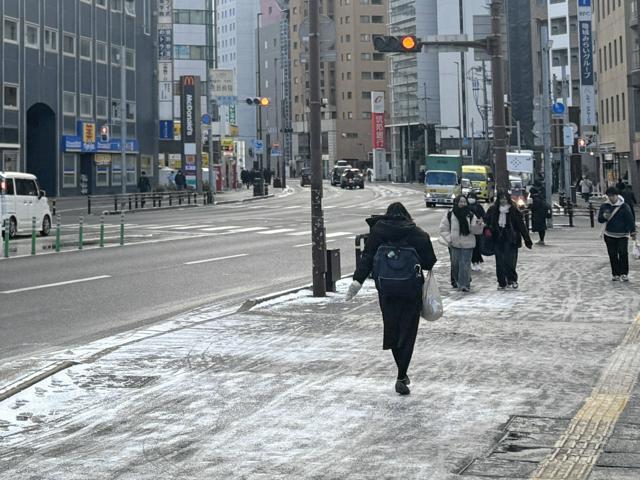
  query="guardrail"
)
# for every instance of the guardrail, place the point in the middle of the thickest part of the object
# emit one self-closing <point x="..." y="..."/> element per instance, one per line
<point x="571" y="211"/>
<point x="144" y="201"/>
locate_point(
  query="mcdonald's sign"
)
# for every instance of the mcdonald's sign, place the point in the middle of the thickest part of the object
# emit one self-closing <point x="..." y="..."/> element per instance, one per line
<point x="188" y="80"/>
<point x="188" y="109"/>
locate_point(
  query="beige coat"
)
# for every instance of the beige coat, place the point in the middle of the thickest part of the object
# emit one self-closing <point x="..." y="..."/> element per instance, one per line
<point x="451" y="232"/>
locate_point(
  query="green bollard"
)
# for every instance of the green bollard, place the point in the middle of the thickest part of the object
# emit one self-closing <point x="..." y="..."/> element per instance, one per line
<point x="6" y="238"/>
<point x="80" y="232"/>
<point x="33" y="235"/>
<point x="101" y="230"/>
<point x="122" y="229"/>
<point x="58" y="233"/>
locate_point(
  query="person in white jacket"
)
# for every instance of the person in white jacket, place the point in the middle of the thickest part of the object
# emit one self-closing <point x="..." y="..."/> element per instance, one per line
<point x="458" y="229"/>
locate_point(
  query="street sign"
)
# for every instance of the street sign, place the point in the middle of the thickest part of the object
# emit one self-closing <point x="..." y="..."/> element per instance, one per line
<point x="275" y="151"/>
<point x="568" y="134"/>
<point x="166" y="130"/>
<point x="206" y="119"/>
<point x="558" y="108"/>
<point x="258" y="146"/>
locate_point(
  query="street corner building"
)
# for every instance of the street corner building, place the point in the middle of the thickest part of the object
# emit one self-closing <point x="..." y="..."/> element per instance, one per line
<point x="62" y="97"/>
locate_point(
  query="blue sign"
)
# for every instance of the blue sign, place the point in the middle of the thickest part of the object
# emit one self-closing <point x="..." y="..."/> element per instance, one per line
<point x="258" y="146"/>
<point x="276" y="152"/>
<point x="73" y="143"/>
<point x="227" y="100"/>
<point x="166" y="129"/>
<point x="584" y="3"/>
<point x="586" y="53"/>
<point x="558" y="108"/>
<point x="206" y="119"/>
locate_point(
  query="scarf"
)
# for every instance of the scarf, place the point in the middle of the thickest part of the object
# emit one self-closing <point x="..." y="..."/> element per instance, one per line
<point x="502" y="220"/>
<point x="462" y="214"/>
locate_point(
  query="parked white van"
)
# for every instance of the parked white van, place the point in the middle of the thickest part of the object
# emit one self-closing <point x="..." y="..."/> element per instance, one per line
<point x="20" y="200"/>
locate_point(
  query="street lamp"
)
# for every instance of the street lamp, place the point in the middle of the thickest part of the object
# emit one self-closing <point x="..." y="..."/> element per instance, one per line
<point x="259" y="89"/>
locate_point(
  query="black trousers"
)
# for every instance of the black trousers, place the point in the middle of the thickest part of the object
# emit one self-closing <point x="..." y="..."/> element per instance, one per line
<point x="506" y="262"/>
<point x="618" y="249"/>
<point x="401" y="317"/>
<point x="476" y="257"/>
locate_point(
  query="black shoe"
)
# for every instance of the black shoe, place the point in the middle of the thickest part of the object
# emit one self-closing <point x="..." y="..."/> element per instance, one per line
<point x="405" y="380"/>
<point x="402" y="388"/>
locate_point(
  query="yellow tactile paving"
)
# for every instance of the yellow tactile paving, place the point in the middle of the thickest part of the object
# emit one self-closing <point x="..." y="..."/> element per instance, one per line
<point x="578" y="448"/>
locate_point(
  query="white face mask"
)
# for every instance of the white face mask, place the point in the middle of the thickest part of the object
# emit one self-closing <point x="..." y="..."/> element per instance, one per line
<point x="504" y="202"/>
<point x="472" y="201"/>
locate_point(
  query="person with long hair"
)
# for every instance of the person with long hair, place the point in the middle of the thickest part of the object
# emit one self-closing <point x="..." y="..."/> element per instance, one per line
<point x="507" y="232"/>
<point x="619" y="225"/>
<point x="459" y="228"/>
<point x="478" y="211"/>
<point x="400" y="313"/>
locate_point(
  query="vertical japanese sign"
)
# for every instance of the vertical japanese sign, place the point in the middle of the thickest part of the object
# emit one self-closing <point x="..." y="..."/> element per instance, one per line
<point x="377" y="120"/>
<point x="164" y="11"/>
<point x="587" y="86"/>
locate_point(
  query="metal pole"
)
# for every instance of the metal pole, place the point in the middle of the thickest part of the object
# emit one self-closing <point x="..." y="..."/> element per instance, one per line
<point x="566" y="150"/>
<point x="499" y="129"/>
<point x="33" y="235"/>
<point x="406" y="175"/>
<point x="317" y="216"/>
<point x="519" y="133"/>
<point x="102" y="230"/>
<point x="7" y="234"/>
<point x="426" y="122"/>
<point x="485" y="107"/>
<point x="546" y="123"/>
<point x="459" y="110"/>
<point x="283" y="170"/>
<point x="122" y="229"/>
<point x="212" y="107"/>
<point x="58" y="227"/>
<point x="259" y="86"/>
<point x="123" y="117"/>
<point x="80" y="233"/>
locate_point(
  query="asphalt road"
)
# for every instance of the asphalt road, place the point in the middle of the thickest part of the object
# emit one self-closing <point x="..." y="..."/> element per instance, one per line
<point x="223" y="255"/>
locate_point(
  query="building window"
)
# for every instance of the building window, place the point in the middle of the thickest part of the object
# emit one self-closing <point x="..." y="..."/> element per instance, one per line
<point x="10" y="30"/>
<point x="617" y="108"/>
<point x="364" y="56"/>
<point x="116" y="5"/>
<point x="50" y="40"/>
<point x="365" y="75"/>
<point x="365" y="37"/>
<point x="70" y="171"/>
<point x="366" y="115"/>
<point x="378" y="57"/>
<point x="69" y="103"/>
<point x="132" y="171"/>
<point x="130" y="7"/>
<point x="621" y="51"/>
<point x="31" y="36"/>
<point x="378" y="75"/>
<point x="69" y="44"/>
<point x="115" y="109"/>
<point x="102" y="170"/>
<point x="86" y="106"/>
<point x="101" y="3"/>
<point x="131" y="59"/>
<point x="365" y="19"/>
<point x="377" y="19"/>
<point x="610" y="57"/>
<point x="615" y="51"/>
<point x="366" y="95"/>
<point x="560" y="57"/>
<point x="115" y="56"/>
<point x="101" y="107"/>
<point x="116" y="171"/>
<point x="101" y="52"/>
<point x="131" y="111"/>
<point x="85" y="48"/>
<point x="10" y="97"/>
<point x="624" y="109"/>
<point x="559" y="26"/>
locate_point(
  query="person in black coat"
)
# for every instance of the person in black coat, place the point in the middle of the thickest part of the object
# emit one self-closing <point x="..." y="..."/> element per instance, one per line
<point x="400" y="315"/>
<point x="478" y="211"/>
<point x="540" y="211"/>
<point x="180" y="180"/>
<point x="619" y="225"/>
<point x="507" y="231"/>
<point x="629" y="198"/>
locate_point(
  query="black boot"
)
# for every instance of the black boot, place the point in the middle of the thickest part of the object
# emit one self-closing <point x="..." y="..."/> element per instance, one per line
<point x="402" y="388"/>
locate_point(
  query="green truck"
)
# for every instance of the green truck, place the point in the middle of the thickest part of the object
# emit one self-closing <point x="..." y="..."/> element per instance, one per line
<point x="442" y="179"/>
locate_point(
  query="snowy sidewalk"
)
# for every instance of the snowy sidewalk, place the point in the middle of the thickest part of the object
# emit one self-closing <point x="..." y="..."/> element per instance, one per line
<point x="299" y="387"/>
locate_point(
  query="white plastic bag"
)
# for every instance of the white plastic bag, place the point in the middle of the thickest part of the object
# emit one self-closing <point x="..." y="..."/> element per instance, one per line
<point x="636" y="250"/>
<point x="432" y="308"/>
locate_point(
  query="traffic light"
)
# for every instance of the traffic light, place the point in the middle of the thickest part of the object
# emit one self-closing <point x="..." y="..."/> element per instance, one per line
<point x="258" y="101"/>
<point x="582" y="145"/>
<point x="104" y="133"/>
<point x="402" y="44"/>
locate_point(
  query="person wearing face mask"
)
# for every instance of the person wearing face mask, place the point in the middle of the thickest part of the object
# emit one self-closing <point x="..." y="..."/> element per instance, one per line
<point x="459" y="228"/>
<point x="507" y="231"/>
<point x="478" y="211"/>
<point x="619" y="225"/>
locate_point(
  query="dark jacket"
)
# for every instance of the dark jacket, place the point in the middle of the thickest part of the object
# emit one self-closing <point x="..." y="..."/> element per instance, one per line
<point x="514" y="231"/>
<point x="540" y="211"/>
<point x="621" y="223"/>
<point x="180" y="179"/>
<point x="400" y="316"/>
<point x="477" y="210"/>
<point x="629" y="197"/>
<point x="144" y="185"/>
<point x="394" y="229"/>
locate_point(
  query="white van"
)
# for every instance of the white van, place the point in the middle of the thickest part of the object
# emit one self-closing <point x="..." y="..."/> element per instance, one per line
<point x="20" y="200"/>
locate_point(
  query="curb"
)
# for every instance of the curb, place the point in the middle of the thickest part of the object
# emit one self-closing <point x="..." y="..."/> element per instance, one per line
<point x="142" y="210"/>
<point x="244" y="200"/>
<point x="27" y="382"/>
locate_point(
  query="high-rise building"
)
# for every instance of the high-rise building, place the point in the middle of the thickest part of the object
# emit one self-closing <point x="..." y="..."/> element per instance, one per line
<point x="609" y="23"/>
<point x="350" y="70"/>
<point x="61" y="83"/>
<point x="632" y="51"/>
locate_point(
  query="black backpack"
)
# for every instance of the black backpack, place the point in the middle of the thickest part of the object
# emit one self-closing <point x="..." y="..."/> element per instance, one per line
<point x="397" y="270"/>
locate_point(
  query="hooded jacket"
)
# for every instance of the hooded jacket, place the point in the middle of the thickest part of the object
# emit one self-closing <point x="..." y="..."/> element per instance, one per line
<point x="385" y="229"/>
<point x="622" y="224"/>
<point x="450" y="231"/>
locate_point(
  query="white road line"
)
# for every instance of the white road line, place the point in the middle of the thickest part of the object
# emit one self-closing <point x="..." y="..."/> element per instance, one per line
<point x="162" y="227"/>
<point x="207" y="260"/>
<point x="243" y="230"/>
<point x="299" y="234"/>
<point x="338" y="234"/>
<point x="214" y="229"/>
<point x="189" y="227"/>
<point x="279" y="230"/>
<point x="330" y="207"/>
<point x="309" y="244"/>
<point x="292" y="207"/>
<point x="58" y="284"/>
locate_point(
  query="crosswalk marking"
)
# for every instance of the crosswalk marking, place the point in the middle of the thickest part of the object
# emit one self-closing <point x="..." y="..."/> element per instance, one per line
<point x="248" y="229"/>
<point x="299" y="234"/>
<point x="188" y="227"/>
<point x="163" y="227"/>
<point x="338" y="234"/>
<point x="279" y="230"/>
<point x="214" y="229"/>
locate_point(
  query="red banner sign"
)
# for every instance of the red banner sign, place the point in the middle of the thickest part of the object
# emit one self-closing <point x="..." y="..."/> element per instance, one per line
<point x="377" y="133"/>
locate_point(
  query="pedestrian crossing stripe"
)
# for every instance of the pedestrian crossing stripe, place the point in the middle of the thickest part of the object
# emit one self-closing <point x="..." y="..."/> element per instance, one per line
<point x="279" y="230"/>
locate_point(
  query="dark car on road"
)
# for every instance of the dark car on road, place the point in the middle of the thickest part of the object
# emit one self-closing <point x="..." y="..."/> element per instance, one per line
<point x="305" y="177"/>
<point x="352" y="178"/>
<point x="336" y="174"/>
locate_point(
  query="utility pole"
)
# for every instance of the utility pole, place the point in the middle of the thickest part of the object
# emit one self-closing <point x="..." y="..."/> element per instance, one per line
<point x="426" y="121"/>
<point x="283" y="170"/>
<point x="319" y="246"/>
<point x="123" y="115"/>
<point x="485" y="107"/>
<point x="459" y="110"/>
<point x="259" y="86"/>
<point x="406" y="166"/>
<point x="546" y="124"/>
<point x="566" y="149"/>
<point x="499" y="127"/>
<point x="213" y="106"/>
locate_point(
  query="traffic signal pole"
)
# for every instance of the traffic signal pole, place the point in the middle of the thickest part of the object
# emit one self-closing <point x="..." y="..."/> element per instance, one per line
<point x="497" y="73"/>
<point x="318" y="248"/>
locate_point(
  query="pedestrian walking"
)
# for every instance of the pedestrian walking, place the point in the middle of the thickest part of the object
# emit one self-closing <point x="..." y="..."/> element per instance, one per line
<point x="479" y="212"/>
<point x="244" y="178"/>
<point x="395" y="235"/>
<point x="180" y="180"/>
<point x="619" y="225"/>
<point x="540" y="212"/>
<point x="144" y="184"/>
<point x="459" y="228"/>
<point x="586" y="187"/>
<point x="507" y="229"/>
<point x="629" y="199"/>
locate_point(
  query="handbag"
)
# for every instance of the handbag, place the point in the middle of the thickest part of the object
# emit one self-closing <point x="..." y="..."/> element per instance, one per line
<point x="487" y="248"/>
<point x="636" y="250"/>
<point x="432" y="308"/>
